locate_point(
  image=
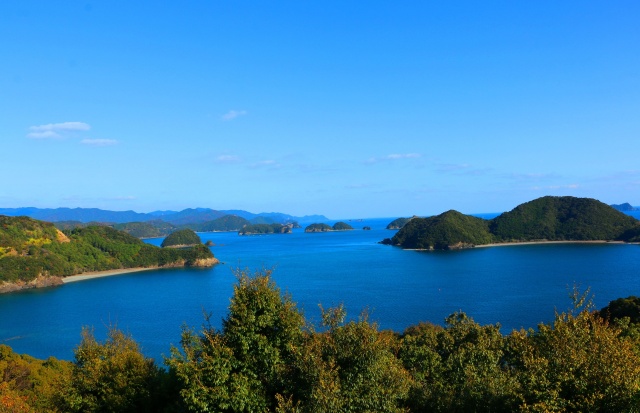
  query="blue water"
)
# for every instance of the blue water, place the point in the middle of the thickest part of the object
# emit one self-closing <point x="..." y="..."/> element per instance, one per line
<point x="517" y="286"/>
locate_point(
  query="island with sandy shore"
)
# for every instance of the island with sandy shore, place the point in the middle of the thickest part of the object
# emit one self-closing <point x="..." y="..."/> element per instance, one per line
<point x="543" y="220"/>
<point x="34" y="254"/>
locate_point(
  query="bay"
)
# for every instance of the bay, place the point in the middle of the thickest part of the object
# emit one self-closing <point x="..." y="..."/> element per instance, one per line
<point x="517" y="286"/>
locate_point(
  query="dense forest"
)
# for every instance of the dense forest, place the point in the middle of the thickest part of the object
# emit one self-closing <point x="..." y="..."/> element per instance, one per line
<point x="399" y="223"/>
<point x="267" y="357"/>
<point x="259" y="229"/>
<point x="318" y="228"/>
<point x="182" y="238"/>
<point x="341" y="226"/>
<point x="29" y="248"/>
<point x="544" y="219"/>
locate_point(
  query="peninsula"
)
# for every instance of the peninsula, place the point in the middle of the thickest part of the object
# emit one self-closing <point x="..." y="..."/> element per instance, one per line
<point x="541" y="220"/>
<point x="35" y="254"/>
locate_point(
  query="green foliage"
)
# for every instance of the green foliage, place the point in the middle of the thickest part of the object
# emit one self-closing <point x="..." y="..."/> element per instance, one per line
<point x="265" y="358"/>
<point x="183" y="237"/>
<point x="341" y="226"/>
<point x="621" y="308"/>
<point x="458" y="368"/>
<point x="399" y="223"/>
<point x="113" y="376"/>
<point x="225" y="223"/>
<point x="255" y="229"/>
<point x="150" y="229"/>
<point x="243" y="367"/>
<point x="318" y="228"/>
<point x="577" y="364"/>
<point x="562" y="218"/>
<point x="351" y="367"/>
<point x="445" y="231"/>
<point x="28" y="384"/>
<point x="31" y="248"/>
<point x="548" y="218"/>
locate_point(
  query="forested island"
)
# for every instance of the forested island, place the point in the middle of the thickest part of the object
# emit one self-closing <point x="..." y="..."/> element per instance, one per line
<point x="36" y="254"/>
<point x="338" y="226"/>
<point x="181" y="239"/>
<point x="583" y="361"/>
<point x="544" y="219"/>
<point x="261" y="229"/>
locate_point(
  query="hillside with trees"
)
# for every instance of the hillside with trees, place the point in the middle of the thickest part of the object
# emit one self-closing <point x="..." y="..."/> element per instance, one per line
<point x="399" y="223"/>
<point x="225" y="223"/>
<point x="149" y="229"/>
<point x="318" y="228"/>
<point x="180" y="239"/>
<point x="544" y="219"/>
<point x="30" y="249"/>
<point x="445" y="231"/>
<point x="267" y="357"/>
<point x="341" y="226"/>
<point x="262" y="229"/>
<point x="561" y="218"/>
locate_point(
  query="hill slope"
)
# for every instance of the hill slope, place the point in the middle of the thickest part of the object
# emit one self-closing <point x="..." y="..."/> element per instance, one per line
<point x="543" y="219"/>
<point x="30" y="249"/>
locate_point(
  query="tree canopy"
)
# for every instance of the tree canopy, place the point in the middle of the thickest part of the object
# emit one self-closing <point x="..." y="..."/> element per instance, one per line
<point x="544" y="219"/>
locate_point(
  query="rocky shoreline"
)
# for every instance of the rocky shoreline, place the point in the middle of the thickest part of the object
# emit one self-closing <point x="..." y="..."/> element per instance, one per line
<point x="43" y="281"/>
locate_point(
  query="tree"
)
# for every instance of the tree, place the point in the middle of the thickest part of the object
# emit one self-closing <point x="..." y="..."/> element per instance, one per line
<point x="349" y="368"/>
<point x="112" y="376"/>
<point x="580" y="363"/>
<point x="246" y="365"/>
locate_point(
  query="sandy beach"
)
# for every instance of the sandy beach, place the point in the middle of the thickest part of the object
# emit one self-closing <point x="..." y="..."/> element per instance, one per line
<point x="507" y="244"/>
<point x="99" y="274"/>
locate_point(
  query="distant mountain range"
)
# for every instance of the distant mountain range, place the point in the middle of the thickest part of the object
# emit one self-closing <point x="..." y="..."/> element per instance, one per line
<point x="625" y="207"/>
<point x="184" y="217"/>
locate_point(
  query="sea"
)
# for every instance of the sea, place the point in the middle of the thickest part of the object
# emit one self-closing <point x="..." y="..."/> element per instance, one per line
<point x="516" y="286"/>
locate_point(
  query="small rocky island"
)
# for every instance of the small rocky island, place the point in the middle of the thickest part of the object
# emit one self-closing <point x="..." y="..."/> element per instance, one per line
<point x="181" y="239"/>
<point x="338" y="226"/>
<point x="542" y="220"/>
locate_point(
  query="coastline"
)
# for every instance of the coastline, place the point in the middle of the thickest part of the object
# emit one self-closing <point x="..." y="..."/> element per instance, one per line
<point x="99" y="274"/>
<point x="508" y="244"/>
<point x="514" y="244"/>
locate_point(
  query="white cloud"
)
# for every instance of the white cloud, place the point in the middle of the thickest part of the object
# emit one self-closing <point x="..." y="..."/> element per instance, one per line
<point x="227" y="159"/>
<point x="394" y="156"/>
<point x="56" y="130"/>
<point x="99" y="142"/>
<point x="269" y="163"/>
<point x="232" y="114"/>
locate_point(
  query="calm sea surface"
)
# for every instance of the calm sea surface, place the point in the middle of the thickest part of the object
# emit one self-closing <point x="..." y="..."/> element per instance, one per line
<point x="517" y="286"/>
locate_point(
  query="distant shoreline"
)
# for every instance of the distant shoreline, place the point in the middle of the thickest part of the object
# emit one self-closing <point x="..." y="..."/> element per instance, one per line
<point x="513" y="244"/>
<point x="99" y="274"/>
<point x="507" y="244"/>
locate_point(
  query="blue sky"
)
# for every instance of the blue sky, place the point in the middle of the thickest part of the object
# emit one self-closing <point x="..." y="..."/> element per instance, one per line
<point x="347" y="109"/>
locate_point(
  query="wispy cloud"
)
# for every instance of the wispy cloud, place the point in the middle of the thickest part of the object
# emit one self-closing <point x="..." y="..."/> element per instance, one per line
<point x="227" y="159"/>
<point x="269" y="163"/>
<point x="232" y="114"/>
<point x="554" y="187"/>
<point x="393" y="157"/>
<point x="56" y="130"/>
<point x="99" y="142"/>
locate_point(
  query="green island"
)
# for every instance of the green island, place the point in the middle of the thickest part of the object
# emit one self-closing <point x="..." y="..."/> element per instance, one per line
<point x="36" y="254"/>
<point x="181" y="239"/>
<point x="338" y="226"/>
<point x="544" y="219"/>
<point x="260" y="229"/>
<point x="267" y="357"/>
<point x="399" y="223"/>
